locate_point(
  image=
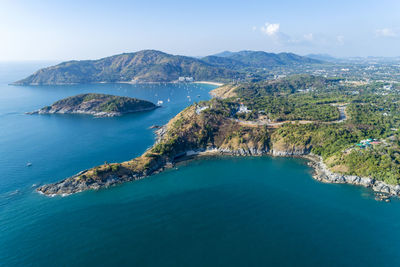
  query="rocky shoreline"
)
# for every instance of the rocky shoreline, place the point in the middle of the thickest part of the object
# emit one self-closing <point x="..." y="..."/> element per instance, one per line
<point x="99" y="105"/>
<point x="87" y="112"/>
<point x="321" y="172"/>
<point x="73" y="184"/>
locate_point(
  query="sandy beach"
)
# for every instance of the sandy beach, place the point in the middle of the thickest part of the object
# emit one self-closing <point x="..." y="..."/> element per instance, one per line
<point x="212" y="83"/>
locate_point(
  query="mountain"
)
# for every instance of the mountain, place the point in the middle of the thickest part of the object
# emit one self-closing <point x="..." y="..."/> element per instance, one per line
<point x="278" y="87"/>
<point x="142" y="66"/>
<point x="322" y="57"/>
<point x="224" y="62"/>
<point x="224" y="54"/>
<point x="261" y="59"/>
<point x="98" y="105"/>
<point x="156" y="66"/>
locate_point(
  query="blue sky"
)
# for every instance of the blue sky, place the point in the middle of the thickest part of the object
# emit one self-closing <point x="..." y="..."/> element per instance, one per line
<point x="63" y="30"/>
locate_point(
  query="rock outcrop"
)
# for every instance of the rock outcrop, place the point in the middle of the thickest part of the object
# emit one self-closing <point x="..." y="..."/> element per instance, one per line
<point x="323" y="174"/>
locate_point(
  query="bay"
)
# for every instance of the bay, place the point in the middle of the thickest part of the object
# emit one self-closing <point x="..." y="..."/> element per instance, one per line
<point x="228" y="211"/>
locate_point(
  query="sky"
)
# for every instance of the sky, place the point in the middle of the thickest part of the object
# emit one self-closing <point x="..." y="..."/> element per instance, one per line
<point x="79" y="29"/>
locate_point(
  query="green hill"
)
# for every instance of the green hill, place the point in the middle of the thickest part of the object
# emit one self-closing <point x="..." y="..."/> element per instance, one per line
<point x="225" y="62"/>
<point x="98" y="105"/>
<point x="142" y="66"/>
<point x="261" y="59"/>
<point x="155" y="66"/>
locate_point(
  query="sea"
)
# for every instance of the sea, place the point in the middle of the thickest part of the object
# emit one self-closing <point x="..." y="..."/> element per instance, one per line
<point x="226" y="211"/>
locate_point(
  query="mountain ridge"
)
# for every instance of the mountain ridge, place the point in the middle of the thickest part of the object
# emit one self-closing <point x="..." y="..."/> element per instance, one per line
<point x="156" y="66"/>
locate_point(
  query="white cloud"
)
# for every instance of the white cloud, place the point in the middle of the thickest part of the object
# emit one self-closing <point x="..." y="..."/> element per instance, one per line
<point x="308" y="37"/>
<point x="340" y="39"/>
<point x="305" y="40"/>
<point x="270" y="29"/>
<point x="254" y="28"/>
<point x="385" y="32"/>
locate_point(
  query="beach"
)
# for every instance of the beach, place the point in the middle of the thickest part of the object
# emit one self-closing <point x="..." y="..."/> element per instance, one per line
<point x="212" y="83"/>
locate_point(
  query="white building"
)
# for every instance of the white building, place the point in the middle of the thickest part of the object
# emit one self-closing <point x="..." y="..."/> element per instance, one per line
<point x="243" y="109"/>
<point x="200" y="109"/>
<point x="185" y="79"/>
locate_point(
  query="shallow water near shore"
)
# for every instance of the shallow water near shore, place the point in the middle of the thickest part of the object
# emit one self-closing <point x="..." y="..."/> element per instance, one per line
<point x="233" y="211"/>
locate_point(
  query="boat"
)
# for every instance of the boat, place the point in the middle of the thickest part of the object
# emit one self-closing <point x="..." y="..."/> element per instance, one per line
<point x="159" y="102"/>
<point x="28" y="164"/>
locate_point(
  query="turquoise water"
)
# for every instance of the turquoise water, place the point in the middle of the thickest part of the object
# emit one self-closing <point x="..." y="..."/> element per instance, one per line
<point x="227" y="211"/>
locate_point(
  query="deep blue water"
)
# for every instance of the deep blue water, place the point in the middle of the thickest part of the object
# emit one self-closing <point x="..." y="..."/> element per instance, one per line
<point x="220" y="212"/>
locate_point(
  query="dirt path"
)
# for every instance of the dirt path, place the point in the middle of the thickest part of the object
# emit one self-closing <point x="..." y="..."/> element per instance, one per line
<point x="342" y="114"/>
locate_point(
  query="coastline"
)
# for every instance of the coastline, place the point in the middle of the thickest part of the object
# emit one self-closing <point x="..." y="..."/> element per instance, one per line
<point x="211" y="83"/>
<point x="116" y="82"/>
<point x="99" y="114"/>
<point x="321" y="172"/>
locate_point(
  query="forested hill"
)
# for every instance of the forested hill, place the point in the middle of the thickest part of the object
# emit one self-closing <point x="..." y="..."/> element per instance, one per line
<point x="142" y="66"/>
<point x="156" y="66"/>
<point x="98" y="105"/>
<point x="259" y="59"/>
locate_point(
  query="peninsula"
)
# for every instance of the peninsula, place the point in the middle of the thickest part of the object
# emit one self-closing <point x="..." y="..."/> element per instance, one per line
<point x="301" y="115"/>
<point x="100" y="105"/>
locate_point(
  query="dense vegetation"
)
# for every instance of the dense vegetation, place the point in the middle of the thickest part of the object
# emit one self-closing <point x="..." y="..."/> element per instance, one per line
<point x="101" y="103"/>
<point x="370" y="113"/>
<point x="284" y="108"/>
<point x="287" y="85"/>
<point x="260" y="59"/>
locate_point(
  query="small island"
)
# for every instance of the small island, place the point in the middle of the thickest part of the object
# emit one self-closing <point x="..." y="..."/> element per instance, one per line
<point x="99" y="105"/>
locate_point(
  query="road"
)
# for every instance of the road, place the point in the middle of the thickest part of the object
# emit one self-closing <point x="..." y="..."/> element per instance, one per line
<point x="264" y="121"/>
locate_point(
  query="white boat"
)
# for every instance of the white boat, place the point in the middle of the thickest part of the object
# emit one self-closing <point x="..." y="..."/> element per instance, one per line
<point x="28" y="164"/>
<point x="159" y="102"/>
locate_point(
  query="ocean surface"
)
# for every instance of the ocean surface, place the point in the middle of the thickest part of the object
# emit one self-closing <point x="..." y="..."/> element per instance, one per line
<point x="226" y="211"/>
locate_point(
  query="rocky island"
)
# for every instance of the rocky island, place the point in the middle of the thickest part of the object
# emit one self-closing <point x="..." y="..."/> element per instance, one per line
<point x="100" y="105"/>
<point x="302" y="115"/>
